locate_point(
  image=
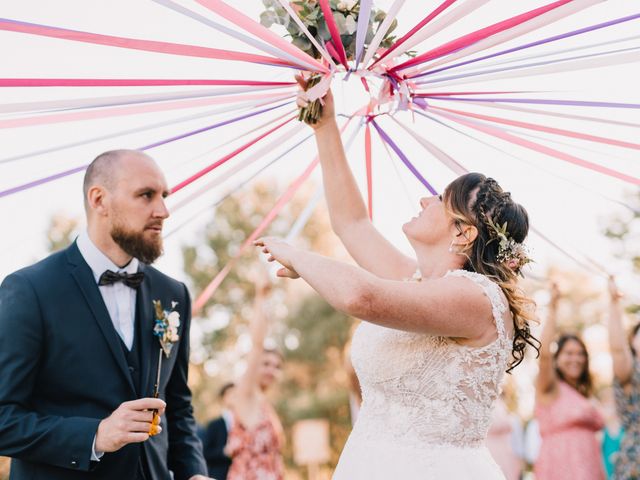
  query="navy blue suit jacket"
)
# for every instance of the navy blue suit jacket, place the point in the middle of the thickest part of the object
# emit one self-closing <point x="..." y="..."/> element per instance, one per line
<point x="63" y="370"/>
<point x="214" y="439"/>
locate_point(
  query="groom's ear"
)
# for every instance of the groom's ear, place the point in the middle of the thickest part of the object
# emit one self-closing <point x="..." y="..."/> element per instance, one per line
<point x="96" y="199"/>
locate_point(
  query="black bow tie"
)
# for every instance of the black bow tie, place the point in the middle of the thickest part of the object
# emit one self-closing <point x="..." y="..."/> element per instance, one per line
<point x="132" y="280"/>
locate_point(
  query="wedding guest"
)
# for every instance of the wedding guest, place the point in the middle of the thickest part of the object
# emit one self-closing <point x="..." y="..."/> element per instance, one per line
<point x="257" y="437"/>
<point x="215" y="435"/>
<point x="567" y="417"/>
<point x="79" y="346"/>
<point x="626" y="373"/>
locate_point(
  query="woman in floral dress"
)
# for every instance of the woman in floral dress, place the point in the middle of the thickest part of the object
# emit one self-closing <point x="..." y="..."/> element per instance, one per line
<point x="256" y="438"/>
<point x="626" y="373"/>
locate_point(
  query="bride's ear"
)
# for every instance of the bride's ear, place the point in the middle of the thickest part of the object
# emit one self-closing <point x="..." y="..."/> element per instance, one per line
<point x="469" y="232"/>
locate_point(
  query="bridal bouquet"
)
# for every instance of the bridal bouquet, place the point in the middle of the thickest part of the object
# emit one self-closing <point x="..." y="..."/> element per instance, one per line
<point x="345" y="14"/>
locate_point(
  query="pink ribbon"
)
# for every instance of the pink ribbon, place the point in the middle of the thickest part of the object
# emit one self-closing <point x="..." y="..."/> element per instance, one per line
<point x="442" y="7"/>
<point x="478" y="35"/>
<point x="125" y="82"/>
<point x="335" y="34"/>
<point x="496" y="132"/>
<point x="253" y="27"/>
<point x="134" y="44"/>
<point x="226" y="158"/>
<point x="131" y="110"/>
<point x="542" y="128"/>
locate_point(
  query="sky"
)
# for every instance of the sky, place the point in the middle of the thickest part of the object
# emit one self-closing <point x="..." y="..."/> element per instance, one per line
<point x="568" y="204"/>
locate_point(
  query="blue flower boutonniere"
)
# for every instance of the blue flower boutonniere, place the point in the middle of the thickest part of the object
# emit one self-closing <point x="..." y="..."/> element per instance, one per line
<point x="166" y="326"/>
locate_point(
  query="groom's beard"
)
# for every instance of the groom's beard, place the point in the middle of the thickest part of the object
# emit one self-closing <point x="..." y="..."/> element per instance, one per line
<point x="135" y="244"/>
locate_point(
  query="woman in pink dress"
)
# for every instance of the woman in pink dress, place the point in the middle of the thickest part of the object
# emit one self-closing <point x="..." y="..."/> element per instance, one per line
<point x="568" y="418"/>
<point x="256" y="437"/>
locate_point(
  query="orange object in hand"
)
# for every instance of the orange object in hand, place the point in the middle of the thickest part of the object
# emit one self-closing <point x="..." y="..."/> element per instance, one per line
<point x="154" y="429"/>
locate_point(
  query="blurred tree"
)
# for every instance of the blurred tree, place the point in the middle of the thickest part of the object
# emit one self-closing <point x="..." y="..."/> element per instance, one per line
<point x="62" y="231"/>
<point x="310" y="333"/>
<point x="624" y="232"/>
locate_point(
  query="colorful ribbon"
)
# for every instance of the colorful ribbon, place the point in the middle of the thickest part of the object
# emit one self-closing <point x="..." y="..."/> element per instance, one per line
<point x="132" y="110"/>
<point x="126" y="82"/>
<point x="554" y="38"/>
<point x="543" y="128"/>
<point x="403" y="157"/>
<point x="335" y="33"/>
<point x="253" y="27"/>
<point x="382" y="31"/>
<point x="226" y="158"/>
<point x="438" y="10"/>
<point x="367" y="155"/>
<point x="265" y="47"/>
<point x="531" y="25"/>
<point x="134" y="44"/>
<point x="363" y="27"/>
<point x="56" y="176"/>
<point x="294" y="16"/>
<point x="478" y="35"/>
<point x="495" y="132"/>
<point x="210" y="289"/>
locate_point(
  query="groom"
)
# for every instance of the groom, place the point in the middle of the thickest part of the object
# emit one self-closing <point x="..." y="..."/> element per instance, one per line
<point x="78" y="355"/>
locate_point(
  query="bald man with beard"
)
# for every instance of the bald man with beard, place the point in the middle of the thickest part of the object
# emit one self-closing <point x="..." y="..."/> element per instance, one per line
<point x="78" y="354"/>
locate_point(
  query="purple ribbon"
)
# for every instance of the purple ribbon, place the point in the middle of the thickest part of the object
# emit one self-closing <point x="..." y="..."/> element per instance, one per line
<point x="527" y="65"/>
<point x="403" y="157"/>
<point x="363" y="27"/>
<point x="539" y="42"/>
<point x="56" y="176"/>
<point x="535" y="101"/>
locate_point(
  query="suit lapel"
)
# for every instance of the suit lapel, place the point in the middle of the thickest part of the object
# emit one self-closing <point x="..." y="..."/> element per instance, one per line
<point x="146" y="319"/>
<point x="87" y="285"/>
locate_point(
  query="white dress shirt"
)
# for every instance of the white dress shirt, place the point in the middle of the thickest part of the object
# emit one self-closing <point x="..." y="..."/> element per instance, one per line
<point x="119" y="299"/>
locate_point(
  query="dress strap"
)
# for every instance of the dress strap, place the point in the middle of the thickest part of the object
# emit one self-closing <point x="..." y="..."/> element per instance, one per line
<point x="493" y="292"/>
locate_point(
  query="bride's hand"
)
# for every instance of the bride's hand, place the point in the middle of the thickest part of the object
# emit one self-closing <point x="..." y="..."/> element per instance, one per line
<point x="328" y="109"/>
<point x="280" y="251"/>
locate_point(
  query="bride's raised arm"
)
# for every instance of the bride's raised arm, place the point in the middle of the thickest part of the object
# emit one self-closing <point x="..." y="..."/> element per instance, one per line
<point x="347" y="210"/>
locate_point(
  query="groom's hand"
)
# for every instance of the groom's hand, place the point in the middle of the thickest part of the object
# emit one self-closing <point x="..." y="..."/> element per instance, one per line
<point x="129" y="423"/>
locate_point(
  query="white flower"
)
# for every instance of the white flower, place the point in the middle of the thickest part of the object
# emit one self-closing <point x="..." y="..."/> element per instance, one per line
<point x="351" y="25"/>
<point x="172" y="334"/>
<point x="350" y="4"/>
<point x="342" y="6"/>
<point x="174" y="319"/>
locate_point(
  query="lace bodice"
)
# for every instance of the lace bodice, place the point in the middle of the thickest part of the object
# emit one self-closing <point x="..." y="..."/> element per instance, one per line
<point x="424" y="390"/>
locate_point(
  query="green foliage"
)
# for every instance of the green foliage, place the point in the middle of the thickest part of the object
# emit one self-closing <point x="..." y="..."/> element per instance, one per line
<point x="315" y="384"/>
<point x="624" y="232"/>
<point x="345" y="14"/>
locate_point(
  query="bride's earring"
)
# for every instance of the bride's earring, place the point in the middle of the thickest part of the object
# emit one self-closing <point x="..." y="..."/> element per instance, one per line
<point x="451" y="247"/>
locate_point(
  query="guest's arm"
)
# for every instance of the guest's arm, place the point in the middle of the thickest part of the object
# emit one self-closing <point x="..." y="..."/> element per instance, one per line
<point x="248" y="385"/>
<point x="546" y="383"/>
<point x="185" y="449"/>
<point x="618" y="344"/>
<point x="25" y="434"/>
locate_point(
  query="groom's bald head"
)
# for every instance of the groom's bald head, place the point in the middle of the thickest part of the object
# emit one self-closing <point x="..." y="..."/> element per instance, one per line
<point x="105" y="170"/>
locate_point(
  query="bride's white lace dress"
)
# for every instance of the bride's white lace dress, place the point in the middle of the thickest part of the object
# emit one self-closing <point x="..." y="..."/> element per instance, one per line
<point x="427" y="401"/>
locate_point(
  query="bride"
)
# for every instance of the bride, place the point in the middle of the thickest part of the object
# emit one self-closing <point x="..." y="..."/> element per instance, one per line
<point x="432" y="351"/>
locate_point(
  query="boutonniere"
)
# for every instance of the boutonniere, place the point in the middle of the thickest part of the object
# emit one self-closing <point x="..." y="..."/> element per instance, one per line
<point x="166" y="329"/>
<point x="166" y="326"/>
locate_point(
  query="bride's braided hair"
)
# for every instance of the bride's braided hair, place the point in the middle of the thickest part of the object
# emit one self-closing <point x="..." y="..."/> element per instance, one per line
<point x="476" y="200"/>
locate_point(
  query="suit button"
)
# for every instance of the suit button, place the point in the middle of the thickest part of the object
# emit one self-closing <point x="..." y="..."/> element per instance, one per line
<point x="74" y="463"/>
<point x="131" y="369"/>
